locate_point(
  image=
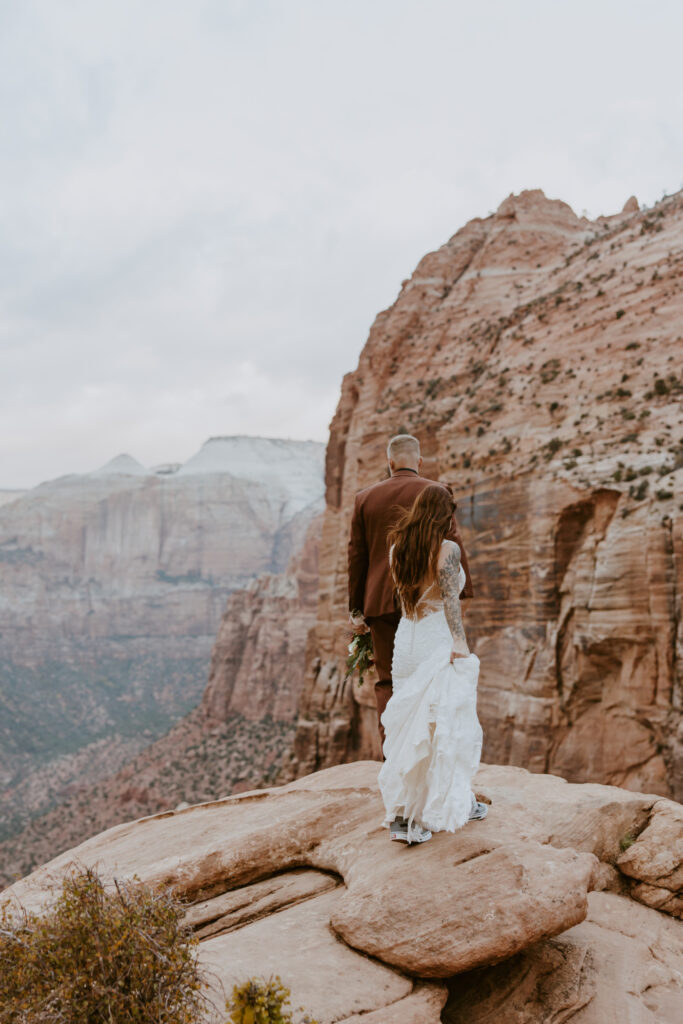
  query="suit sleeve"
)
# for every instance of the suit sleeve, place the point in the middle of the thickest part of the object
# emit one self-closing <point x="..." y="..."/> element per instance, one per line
<point x="454" y="534"/>
<point x="358" y="559"/>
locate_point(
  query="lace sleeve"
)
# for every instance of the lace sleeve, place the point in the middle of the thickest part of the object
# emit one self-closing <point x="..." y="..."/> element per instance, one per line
<point x="449" y="584"/>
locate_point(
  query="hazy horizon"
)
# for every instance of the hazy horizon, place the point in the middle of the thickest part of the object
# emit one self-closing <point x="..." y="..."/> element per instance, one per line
<point x="206" y="206"/>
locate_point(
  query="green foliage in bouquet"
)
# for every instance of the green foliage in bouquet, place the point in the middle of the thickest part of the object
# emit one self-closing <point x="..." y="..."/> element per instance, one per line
<point x="360" y="657"/>
<point x="97" y="956"/>
<point x="258" y="1001"/>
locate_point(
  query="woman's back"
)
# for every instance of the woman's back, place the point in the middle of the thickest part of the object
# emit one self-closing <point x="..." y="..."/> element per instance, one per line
<point x="430" y="599"/>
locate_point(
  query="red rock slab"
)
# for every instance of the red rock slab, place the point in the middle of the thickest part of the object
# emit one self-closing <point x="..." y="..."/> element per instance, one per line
<point x="239" y="907"/>
<point x="422" y="1006"/>
<point x="432" y="914"/>
<point x="655" y="860"/>
<point x="624" y="963"/>
<point x="329" y="980"/>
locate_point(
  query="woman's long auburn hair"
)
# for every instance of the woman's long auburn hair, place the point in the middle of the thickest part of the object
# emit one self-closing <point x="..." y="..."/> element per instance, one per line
<point x="416" y="541"/>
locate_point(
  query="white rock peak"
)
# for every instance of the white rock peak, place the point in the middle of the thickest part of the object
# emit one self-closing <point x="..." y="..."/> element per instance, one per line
<point x="291" y="471"/>
<point x="293" y="468"/>
<point x="121" y="465"/>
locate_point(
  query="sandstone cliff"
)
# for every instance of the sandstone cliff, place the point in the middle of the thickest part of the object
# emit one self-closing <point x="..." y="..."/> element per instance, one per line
<point x="236" y="739"/>
<point x="545" y="911"/>
<point x="257" y="661"/>
<point x="537" y="355"/>
<point x="112" y="588"/>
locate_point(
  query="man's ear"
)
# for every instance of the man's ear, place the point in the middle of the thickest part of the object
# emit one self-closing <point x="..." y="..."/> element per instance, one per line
<point x="419" y="464"/>
<point x="392" y="466"/>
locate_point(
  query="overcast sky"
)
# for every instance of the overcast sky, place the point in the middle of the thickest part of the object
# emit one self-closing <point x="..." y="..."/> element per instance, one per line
<point x="204" y="203"/>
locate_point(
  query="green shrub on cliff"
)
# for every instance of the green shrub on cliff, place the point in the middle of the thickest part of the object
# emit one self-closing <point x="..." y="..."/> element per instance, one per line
<point x="261" y="1001"/>
<point x="99" y="957"/>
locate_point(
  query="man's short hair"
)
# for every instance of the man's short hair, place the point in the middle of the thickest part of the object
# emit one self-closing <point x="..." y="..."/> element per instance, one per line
<point x="403" y="446"/>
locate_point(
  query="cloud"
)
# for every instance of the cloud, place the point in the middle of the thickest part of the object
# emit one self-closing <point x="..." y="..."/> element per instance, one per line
<point x="205" y="205"/>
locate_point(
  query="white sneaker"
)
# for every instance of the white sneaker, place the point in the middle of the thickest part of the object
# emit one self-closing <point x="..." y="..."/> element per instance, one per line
<point x="399" y="830"/>
<point x="418" y="834"/>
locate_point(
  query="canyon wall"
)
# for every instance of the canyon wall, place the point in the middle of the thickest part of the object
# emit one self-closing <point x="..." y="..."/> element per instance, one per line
<point x="235" y="739"/>
<point x="537" y="355"/>
<point x="112" y="589"/>
<point x="258" y="659"/>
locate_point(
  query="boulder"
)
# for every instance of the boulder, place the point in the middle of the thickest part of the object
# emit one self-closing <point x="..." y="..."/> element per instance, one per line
<point x="655" y="860"/>
<point x="623" y="963"/>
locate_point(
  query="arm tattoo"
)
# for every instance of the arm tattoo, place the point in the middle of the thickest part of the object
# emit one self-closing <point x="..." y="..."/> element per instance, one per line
<point x="449" y="582"/>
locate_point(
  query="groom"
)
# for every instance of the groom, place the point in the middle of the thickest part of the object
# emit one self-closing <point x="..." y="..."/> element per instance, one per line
<point x="371" y="590"/>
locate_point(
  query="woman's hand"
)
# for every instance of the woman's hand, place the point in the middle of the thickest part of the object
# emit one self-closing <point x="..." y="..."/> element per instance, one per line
<point x="458" y="654"/>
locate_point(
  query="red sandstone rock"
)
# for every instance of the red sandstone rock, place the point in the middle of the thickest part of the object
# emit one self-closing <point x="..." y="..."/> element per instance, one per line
<point x="537" y="357"/>
<point x="621" y="964"/>
<point x="268" y="872"/>
<point x="655" y="860"/>
<point x="257" y="663"/>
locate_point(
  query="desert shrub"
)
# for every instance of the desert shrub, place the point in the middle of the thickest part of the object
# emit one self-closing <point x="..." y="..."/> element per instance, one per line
<point x="620" y="313"/>
<point x="549" y="370"/>
<point x="97" y="957"/>
<point x="261" y="1001"/>
<point x="640" y="491"/>
<point x="552" y="446"/>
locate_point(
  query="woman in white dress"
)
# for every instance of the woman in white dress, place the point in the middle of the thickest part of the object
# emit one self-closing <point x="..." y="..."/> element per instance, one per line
<point x="433" y="737"/>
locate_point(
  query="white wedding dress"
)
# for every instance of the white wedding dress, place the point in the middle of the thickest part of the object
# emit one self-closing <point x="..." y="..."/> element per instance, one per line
<point x="433" y="736"/>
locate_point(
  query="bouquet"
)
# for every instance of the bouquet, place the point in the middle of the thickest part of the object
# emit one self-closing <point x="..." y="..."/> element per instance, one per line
<point x="360" y="658"/>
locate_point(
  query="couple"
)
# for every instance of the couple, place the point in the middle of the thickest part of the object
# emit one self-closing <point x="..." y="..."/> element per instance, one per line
<point x="404" y="542"/>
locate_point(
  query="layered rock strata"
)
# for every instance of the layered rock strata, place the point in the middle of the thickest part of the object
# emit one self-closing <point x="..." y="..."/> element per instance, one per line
<point x="537" y="356"/>
<point x="525" y="916"/>
<point x="112" y="589"/>
<point x="236" y="739"/>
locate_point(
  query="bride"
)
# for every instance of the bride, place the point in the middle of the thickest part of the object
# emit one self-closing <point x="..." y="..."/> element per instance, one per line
<point x="433" y="737"/>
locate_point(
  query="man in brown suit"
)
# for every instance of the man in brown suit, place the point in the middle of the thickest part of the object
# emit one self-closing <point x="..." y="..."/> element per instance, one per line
<point x="371" y="591"/>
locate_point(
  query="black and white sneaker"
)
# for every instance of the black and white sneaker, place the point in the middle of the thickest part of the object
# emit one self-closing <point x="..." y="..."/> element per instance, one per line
<point x="479" y="810"/>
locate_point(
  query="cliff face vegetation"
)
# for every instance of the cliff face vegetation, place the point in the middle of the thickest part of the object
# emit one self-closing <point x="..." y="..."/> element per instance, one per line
<point x="537" y="356"/>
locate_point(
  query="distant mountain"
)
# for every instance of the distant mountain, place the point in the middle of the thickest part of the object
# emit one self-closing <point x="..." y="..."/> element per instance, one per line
<point x="7" y="496"/>
<point x="112" y="588"/>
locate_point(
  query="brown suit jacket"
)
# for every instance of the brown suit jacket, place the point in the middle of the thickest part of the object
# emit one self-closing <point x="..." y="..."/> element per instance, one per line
<point x="371" y="589"/>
